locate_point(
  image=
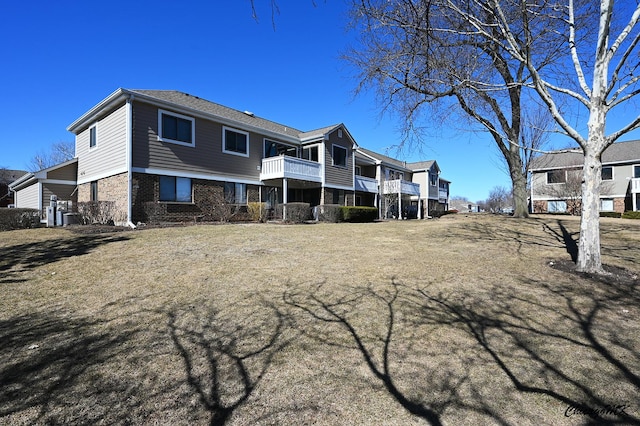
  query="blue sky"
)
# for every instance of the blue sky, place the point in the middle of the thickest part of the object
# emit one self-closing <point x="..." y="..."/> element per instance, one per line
<point x="61" y="58"/>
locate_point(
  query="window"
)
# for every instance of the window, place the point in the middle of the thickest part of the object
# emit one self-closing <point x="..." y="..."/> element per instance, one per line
<point x="607" y="173"/>
<point x="340" y="133"/>
<point x="557" y="206"/>
<point x="176" y="189"/>
<point x="273" y="149"/>
<point x="556" y="176"/>
<point x="606" y="204"/>
<point x="235" y="192"/>
<point x="358" y="171"/>
<point x="235" y="142"/>
<point x="339" y="156"/>
<point x="338" y="196"/>
<point x="93" y="140"/>
<point x="310" y="153"/>
<point x="176" y="128"/>
<point x="433" y="179"/>
<point x="636" y="171"/>
<point x="94" y="191"/>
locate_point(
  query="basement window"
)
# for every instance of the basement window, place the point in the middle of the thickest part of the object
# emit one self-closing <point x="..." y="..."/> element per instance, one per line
<point x="176" y="189"/>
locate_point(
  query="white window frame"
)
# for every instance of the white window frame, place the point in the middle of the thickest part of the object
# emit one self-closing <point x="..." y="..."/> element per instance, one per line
<point x="613" y="205"/>
<point x="224" y="141"/>
<point x="556" y="210"/>
<point x="333" y="156"/>
<point x="161" y="137"/>
<point x="93" y="130"/>
<point x="555" y="183"/>
<point x="612" y="174"/>
<point x="636" y="167"/>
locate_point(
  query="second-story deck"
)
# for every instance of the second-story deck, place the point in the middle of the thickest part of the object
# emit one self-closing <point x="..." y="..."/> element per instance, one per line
<point x="366" y="184"/>
<point x="399" y="186"/>
<point x="284" y="166"/>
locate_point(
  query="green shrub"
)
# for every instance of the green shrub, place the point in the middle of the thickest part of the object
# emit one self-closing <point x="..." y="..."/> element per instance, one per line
<point x="328" y="213"/>
<point x="358" y="213"/>
<point x="610" y="214"/>
<point x="631" y="215"/>
<point x="19" y="219"/>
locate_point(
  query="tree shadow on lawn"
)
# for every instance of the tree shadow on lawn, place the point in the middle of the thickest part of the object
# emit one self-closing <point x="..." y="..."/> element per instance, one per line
<point x="50" y="367"/>
<point x="225" y="358"/>
<point x="562" y="350"/>
<point x="378" y="348"/>
<point x="572" y="342"/>
<point x="32" y="255"/>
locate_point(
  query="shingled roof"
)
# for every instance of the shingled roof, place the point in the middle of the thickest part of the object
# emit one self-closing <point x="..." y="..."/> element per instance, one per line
<point x="204" y="106"/>
<point x="618" y="153"/>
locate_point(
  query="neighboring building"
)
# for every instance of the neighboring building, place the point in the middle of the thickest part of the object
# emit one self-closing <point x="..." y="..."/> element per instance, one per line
<point x="415" y="189"/>
<point x="177" y="156"/>
<point x="6" y="177"/>
<point x="556" y="180"/>
<point x="34" y="190"/>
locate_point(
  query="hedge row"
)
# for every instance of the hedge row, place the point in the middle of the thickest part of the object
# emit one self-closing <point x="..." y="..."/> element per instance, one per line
<point x="358" y="214"/>
<point x="631" y="215"/>
<point x="19" y="219"/>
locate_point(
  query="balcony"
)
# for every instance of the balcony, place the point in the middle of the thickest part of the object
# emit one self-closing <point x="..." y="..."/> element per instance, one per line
<point x="366" y="184"/>
<point x="291" y="168"/>
<point x="401" y="186"/>
<point x="635" y="185"/>
<point x="443" y="195"/>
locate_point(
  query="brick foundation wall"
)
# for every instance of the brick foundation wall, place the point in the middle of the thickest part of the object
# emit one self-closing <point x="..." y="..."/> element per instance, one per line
<point x="619" y="205"/>
<point x="208" y="202"/>
<point x="112" y="188"/>
<point x="540" y="207"/>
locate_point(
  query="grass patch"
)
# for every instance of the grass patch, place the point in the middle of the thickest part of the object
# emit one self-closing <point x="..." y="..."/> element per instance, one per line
<point x="475" y="319"/>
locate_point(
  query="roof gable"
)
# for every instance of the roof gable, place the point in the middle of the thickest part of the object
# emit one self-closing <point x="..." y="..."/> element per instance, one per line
<point x="619" y="152"/>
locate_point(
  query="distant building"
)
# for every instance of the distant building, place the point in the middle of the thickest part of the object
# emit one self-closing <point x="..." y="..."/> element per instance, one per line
<point x="6" y="177"/>
<point x="556" y="180"/>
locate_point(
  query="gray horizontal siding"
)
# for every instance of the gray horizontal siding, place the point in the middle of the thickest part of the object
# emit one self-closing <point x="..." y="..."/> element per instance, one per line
<point x="109" y="156"/>
<point x="338" y="175"/>
<point x="28" y="197"/>
<point x="206" y="157"/>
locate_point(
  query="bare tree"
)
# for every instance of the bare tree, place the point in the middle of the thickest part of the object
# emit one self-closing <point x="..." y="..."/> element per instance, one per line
<point x="58" y="152"/>
<point x="603" y="79"/>
<point x="499" y="198"/>
<point x="492" y="49"/>
<point x="427" y="54"/>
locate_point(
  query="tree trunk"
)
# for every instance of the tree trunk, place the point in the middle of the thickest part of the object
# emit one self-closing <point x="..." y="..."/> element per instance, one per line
<point x="589" y="259"/>
<point x="520" y="196"/>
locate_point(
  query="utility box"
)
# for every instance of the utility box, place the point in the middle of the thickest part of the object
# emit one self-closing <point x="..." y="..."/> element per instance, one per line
<point x="51" y="216"/>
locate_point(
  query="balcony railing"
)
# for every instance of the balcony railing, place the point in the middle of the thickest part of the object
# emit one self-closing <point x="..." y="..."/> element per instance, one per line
<point x="290" y="167"/>
<point x="366" y="184"/>
<point x="443" y="195"/>
<point x="635" y="185"/>
<point x="400" y="186"/>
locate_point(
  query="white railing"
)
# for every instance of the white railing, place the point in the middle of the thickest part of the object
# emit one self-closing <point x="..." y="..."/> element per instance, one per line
<point x="284" y="166"/>
<point x="366" y="184"/>
<point x="400" y="186"/>
<point x="635" y="185"/>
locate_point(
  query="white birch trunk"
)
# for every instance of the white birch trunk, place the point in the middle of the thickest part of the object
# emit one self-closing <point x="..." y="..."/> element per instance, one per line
<point x="589" y="259"/>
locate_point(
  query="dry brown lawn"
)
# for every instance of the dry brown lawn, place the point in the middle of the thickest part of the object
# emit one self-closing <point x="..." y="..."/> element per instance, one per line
<point x="463" y="320"/>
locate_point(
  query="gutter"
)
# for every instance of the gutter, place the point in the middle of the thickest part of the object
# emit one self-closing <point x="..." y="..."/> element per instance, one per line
<point x="129" y="158"/>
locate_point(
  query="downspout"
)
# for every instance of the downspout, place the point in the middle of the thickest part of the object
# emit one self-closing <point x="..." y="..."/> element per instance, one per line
<point x="129" y="160"/>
